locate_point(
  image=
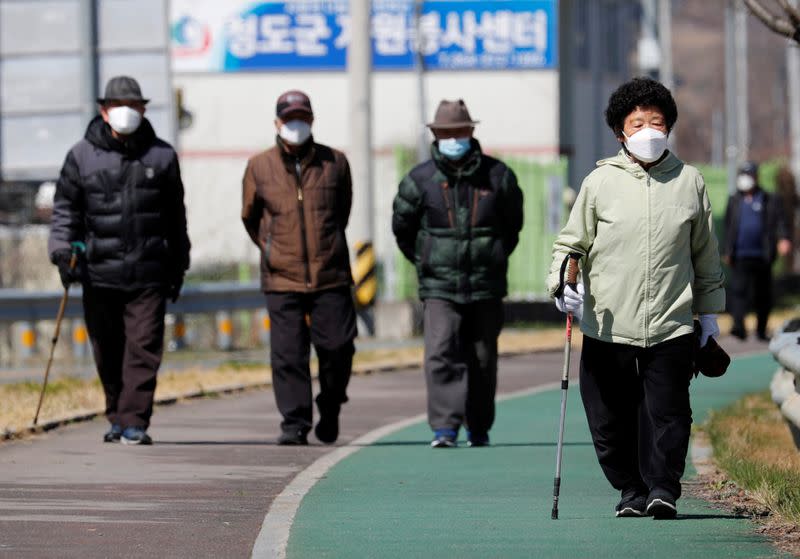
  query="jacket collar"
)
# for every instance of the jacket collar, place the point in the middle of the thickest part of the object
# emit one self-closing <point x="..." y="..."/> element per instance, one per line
<point x="98" y="133"/>
<point x="306" y="152"/>
<point x="468" y="167"/>
<point x="664" y="167"/>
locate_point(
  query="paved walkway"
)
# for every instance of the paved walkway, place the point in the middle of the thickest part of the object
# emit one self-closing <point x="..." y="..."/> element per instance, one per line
<point x="204" y="488"/>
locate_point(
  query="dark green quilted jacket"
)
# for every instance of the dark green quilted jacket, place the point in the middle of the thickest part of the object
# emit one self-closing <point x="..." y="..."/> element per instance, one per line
<point x="458" y="225"/>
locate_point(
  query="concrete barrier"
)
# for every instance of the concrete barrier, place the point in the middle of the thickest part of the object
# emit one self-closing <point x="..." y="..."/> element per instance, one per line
<point x="785" y="347"/>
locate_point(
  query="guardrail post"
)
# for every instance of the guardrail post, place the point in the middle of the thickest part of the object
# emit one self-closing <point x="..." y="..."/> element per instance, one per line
<point x="27" y="339"/>
<point x="264" y="326"/>
<point x="79" y="338"/>
<point x="177" y="324"/>
<point x="224" y="331"/>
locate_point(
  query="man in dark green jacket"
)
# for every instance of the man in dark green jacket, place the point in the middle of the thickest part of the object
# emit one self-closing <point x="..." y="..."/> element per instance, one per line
<point x="457" y="217"/>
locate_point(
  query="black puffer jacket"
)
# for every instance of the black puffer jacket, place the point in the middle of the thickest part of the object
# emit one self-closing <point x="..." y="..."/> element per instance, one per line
<point x="459" y="225"/>
<point x="125" y="201"/>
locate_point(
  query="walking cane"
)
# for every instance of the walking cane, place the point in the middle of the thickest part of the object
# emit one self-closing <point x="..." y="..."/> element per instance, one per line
<point x="73" y="261"/>
<point x="572" y="279"/>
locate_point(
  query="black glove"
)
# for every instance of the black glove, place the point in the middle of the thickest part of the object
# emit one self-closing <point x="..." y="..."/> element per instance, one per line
<point x="174" y="289"/>
<point x="62" y="258"/>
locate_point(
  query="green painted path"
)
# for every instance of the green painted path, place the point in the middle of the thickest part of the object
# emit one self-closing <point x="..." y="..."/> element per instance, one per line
<point x="400" y="498"/>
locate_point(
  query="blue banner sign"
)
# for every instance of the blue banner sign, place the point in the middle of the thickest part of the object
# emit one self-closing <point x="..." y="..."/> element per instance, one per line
<point x="312" y="35"/>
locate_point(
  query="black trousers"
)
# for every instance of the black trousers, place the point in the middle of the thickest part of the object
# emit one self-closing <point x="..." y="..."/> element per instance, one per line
<point x="332" y="329"/>
<point x="751" y="280"/>
<point x="461" y="362"/>
<point x="126" y="330"/>
<point x="637" y="405"/>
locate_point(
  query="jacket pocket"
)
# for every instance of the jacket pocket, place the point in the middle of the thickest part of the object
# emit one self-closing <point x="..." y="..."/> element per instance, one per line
<point x="267" y="250"/>
<point x="427" y="244"/>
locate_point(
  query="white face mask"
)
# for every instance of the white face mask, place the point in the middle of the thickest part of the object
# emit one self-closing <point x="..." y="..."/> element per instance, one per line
<point x="646" y="145"/>
<point x="124" y="120"/>
<point x="295" y="132"/>
<point x="745" y="183"/>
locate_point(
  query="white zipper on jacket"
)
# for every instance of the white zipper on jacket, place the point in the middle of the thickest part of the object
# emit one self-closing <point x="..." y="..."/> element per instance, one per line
<point x="647" y="269"/>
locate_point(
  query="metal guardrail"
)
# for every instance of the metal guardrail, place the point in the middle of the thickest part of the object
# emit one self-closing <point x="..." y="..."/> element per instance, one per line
<point x="785" y="347"/>
<point x="21" y="305"/>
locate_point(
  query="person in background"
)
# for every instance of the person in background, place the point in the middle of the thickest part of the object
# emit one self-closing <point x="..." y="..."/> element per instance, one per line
<point x="296" y="199"/>
<point x="642" y="228"/>
<point x="120" y="195"/>
<point x="457" y="217"/>
<point x="755" y="234"/>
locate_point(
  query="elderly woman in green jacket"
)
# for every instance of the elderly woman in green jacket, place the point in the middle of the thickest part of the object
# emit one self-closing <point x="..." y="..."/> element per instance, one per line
<point x="649" y="261"/>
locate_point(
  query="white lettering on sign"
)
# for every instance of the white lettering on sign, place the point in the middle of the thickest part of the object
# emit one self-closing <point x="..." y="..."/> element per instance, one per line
<point x="310" y="31"/>
<point x="391" y="33"/>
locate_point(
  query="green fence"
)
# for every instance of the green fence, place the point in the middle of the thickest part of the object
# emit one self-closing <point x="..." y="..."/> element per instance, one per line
<point x="542" y="185"/>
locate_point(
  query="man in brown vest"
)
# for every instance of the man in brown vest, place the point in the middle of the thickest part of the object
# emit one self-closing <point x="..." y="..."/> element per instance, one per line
<point x="296" y="204"/>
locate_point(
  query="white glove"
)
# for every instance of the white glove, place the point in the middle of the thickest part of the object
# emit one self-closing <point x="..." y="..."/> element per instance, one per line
<point x="571" y="301"/>
<point x="708" y="328"/>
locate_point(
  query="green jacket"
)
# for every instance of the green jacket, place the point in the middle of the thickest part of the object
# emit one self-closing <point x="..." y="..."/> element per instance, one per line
<point x="459" y="225"/>
<point x="649" y="254"/>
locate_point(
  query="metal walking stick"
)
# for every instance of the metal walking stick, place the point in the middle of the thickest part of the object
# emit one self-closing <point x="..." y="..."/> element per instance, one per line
<point x="73" y="261"/>
<point x="572" y="280"/>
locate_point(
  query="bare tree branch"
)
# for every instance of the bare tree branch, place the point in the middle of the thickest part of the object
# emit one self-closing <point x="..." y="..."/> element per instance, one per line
<point x="791" y="11"/>
<point x="777" y="24"/>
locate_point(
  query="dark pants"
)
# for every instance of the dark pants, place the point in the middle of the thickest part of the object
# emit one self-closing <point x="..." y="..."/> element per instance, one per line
<point x="126" y="330"/>
<point x="637" y="405"/>
<point x="332" y="330"/>
<point x="751" y="280"/>
<point x="461" y="362"/>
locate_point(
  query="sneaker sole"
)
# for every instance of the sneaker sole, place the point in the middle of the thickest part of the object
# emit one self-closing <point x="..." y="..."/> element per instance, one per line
<point x="442" y="444"/>
<point x="123" y="440"/>
<point x="629" y="512"/>
<point x="661" y="510"/>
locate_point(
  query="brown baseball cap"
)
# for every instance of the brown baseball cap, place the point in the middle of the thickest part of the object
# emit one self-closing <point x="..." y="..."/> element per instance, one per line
<point x="293" y="101"/>
<point x="452" y="114"/>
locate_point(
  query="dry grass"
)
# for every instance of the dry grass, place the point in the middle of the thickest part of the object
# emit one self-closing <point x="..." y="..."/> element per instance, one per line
<point x="70" y="397"/>
<point x="754" y="446"/>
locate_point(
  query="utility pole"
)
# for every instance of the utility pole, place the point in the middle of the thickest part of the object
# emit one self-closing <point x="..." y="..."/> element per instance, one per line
<point x="731" y="128"/>
<point x="88" y="61"/>
<point x="665" y="42"/>
<point x="423" y="152"/>
<point x="742" y="110"/>
<point x="648" y="47"/>
<point x="359" y="67"/>
<point x="793" y="78"/>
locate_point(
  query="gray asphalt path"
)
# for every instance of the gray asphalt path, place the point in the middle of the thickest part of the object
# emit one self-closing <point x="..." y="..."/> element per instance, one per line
<point x="203" y="489"/>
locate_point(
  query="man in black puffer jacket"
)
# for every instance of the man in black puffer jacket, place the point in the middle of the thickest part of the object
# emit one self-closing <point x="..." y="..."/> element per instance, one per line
<point x="457" y="217"/>
<point x="120" y="194"/>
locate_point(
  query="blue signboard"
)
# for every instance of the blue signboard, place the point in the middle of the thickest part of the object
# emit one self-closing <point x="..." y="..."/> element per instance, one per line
<point x="314" y="34"/>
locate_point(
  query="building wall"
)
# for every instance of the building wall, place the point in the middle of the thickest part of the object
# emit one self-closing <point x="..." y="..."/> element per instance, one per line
<point x="233" y="119"/>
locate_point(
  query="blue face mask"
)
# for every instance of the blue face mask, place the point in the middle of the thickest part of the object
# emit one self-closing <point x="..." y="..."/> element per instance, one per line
<point x="454" y="148"/>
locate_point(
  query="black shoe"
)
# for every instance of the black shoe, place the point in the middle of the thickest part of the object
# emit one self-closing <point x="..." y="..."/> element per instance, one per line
<point x="477" y="439"/>
<point x="135" y="435"/>
<point x="739" y="332"/>
<point x="762" y="337"/>
<point x="444" y="438"/>
<point x="661" y="504"/>
<point x="632" y="504"/>
<point x="113" y="434"/>
<point x="293" y="437"/>
<point x="327" y="430"/>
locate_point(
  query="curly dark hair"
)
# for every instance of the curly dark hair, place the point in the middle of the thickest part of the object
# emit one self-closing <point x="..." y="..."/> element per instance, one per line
<point x="639" y="92"/>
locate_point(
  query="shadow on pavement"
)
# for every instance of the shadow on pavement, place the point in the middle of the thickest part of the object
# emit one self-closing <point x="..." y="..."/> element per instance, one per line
<point x="461" y="443"/>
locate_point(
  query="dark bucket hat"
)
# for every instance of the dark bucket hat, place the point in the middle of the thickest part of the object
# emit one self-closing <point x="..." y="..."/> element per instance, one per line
<point x="122" y="88"/>
<point x="452" y="114"/>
